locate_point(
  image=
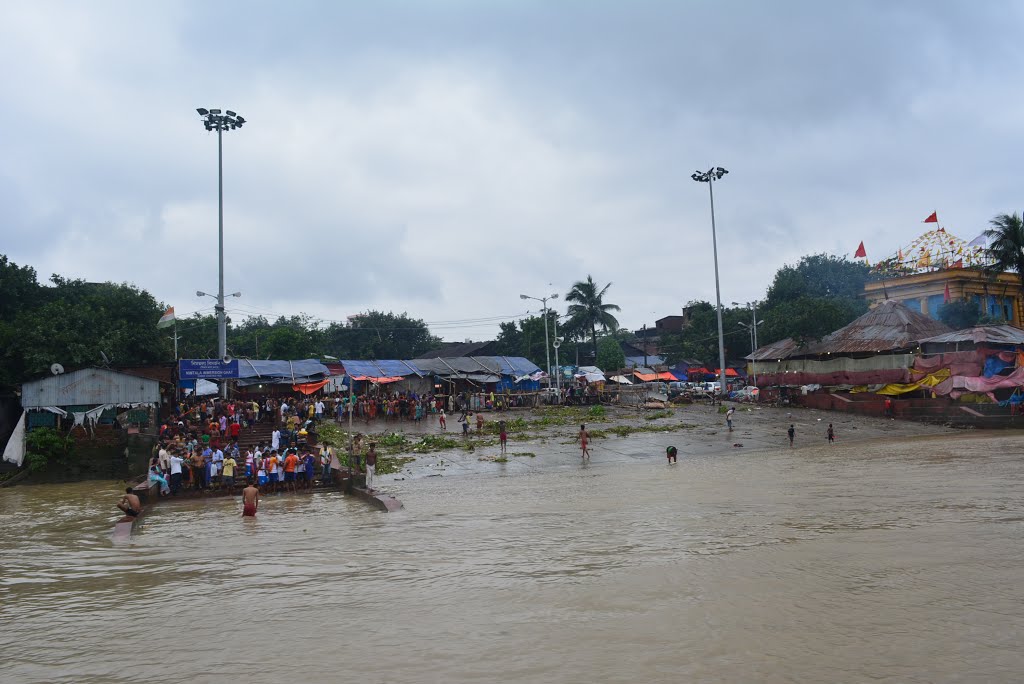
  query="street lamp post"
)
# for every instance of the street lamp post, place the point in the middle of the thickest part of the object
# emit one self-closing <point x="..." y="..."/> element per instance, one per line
<point x="547" y="349"/>
<point x="709" y="177"/>
<point x="558" y="368"/>
<point x="753" y="335"/>
<point x="214" y="120"/>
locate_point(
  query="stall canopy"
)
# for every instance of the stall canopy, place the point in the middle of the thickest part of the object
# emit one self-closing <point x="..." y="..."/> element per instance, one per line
<point x="381" y="368"/>
<point x="255" y="372"/>
<point x="621" y="379"/>
<point x="652" y="377"/>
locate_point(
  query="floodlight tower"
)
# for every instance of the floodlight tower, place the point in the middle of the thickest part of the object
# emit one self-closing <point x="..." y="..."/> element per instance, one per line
<point x="709" y="177"/>
<point x="214" y="120"/>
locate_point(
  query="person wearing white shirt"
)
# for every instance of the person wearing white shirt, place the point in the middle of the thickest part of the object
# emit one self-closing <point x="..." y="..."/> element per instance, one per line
<point x="319" y="409"/>
<point x="218" y="464"/>
<point x="174" y="462"/>
<point x="275" y="439"/>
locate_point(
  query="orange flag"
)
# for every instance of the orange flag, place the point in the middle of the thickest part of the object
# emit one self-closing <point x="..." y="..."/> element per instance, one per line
<point x="861" y="252"/>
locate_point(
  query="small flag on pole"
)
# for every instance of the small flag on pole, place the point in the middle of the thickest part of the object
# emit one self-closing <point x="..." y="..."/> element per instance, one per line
<point x="934" y="218"/>
<point x="945" y="295"/>
<point x="861" y="252"/>
<point x="167" y="319"/>
<point x="959" y="263"/>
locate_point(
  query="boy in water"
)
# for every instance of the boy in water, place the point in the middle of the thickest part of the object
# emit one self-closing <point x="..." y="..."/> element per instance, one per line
<point x="831" y="434"/>
<point x="502" y="436"/>
<point x="583" y="438"/>
<point x="671" y="453"/>
<point x="444" y="421"/>
<point x="792" y="433"/>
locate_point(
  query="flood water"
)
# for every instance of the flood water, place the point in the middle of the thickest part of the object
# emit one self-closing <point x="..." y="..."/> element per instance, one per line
<point x="891" y="562"/>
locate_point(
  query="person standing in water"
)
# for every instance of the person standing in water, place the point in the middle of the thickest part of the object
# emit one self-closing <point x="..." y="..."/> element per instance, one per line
<point x="792" y="433"/>
<point x="371" y="465"/>
<point x="250" y="500"/>
<point x="583" y="438"/>
<point x="831" y="434"/>
<point x="502" y="436"/>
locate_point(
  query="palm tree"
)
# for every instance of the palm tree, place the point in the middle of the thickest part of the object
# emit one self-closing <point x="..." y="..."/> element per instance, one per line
<point x="1006" y="246"/>
<point x="588" y="310"/>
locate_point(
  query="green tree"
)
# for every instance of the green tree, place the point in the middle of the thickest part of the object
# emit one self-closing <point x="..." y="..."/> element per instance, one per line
<point x="610" y="356"/>
<point x="1006" y="246"/>
<point x="963" y="313"/>
<point x="808" y="318"/>
<point x="818" y="275"/>
<point x="588" y="311"/>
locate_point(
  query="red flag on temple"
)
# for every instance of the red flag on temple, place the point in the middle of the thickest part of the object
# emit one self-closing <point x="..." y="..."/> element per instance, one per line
<point x="959" y="263"/>
<point x="934" y="218"/>
<point x="945" y="295"/>
<point x="861" y="252"/>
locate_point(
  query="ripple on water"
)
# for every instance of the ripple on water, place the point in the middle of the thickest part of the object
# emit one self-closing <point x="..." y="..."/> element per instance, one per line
<point x="865" y="563"/>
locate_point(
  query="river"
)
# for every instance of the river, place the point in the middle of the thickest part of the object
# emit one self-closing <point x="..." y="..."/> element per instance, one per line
<point x="883" y="561"/>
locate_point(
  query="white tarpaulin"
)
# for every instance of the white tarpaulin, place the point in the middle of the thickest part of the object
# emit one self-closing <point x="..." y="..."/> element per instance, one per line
<point x="14" y="452"/>
<point x="621" y="379"/>
<point x="591" y="377"/>
<point x="204" y="388"/>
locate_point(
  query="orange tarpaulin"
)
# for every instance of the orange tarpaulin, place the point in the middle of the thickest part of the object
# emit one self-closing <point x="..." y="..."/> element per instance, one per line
<point x="309" y="387"/>
<point x="729" y="373"/>
<point x="650" y="377"/>
<point x="379" y="381"/>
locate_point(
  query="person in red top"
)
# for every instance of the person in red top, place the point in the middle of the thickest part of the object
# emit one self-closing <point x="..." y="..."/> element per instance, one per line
<point x="234" y="429"/>
<point x="290" y="462"/>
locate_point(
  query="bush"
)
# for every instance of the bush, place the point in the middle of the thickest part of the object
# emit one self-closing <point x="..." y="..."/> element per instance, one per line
<point x="45" y="445"/>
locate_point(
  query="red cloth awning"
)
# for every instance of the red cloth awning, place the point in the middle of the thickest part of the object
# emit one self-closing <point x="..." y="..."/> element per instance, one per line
<point x="729" y="373"/>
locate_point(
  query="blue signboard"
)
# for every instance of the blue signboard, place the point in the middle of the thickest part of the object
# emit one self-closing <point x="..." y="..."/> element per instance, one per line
<point x="195" y="369"/>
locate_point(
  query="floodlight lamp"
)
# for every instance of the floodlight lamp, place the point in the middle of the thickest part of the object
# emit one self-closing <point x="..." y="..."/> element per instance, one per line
<point x="202" y="112"/>
<point x="240" y="120"/>
<point x="554" y="296"/>
<point x="215" y="111"/>
<point x="230" y="113"/>
<point x="523" y="297"/>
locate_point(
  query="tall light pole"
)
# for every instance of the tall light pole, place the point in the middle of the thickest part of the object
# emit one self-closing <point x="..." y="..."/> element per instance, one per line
<point x="214" y="120"/>
<point x="709" y="177"/>
<point x="547" y="348"/>
<point x="558" y="368"/>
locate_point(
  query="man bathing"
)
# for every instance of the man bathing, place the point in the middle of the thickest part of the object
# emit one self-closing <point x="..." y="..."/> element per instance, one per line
<point x="250" y="501"/>
<point x="583" y="438"/>
<point x="130" y="504"/>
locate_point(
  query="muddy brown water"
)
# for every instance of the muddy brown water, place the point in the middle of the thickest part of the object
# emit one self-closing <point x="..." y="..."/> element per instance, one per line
<point x="895" y="561"/>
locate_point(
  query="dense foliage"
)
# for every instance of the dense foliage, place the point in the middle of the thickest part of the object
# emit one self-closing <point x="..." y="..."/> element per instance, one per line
<point x="76" y="323"/>
<point x="72" y="322"/>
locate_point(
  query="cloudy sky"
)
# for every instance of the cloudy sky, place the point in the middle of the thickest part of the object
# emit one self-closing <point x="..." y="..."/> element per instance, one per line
<point x="442" y="157"/>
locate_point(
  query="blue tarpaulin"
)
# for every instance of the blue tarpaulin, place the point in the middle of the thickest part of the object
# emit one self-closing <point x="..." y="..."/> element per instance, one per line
<point x="384" y="368"/>
<point x="252" y="372"/>
<point x="994" y="364"/>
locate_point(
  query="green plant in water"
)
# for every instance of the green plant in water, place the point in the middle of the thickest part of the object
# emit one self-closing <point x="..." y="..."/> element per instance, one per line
<point x="387" y="465"/>
<point x="658" y="414"/>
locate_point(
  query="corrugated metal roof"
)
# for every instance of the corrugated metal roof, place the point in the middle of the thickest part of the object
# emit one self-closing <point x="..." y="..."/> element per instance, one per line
<point x="988" y="334"/>
<point x="89" y="386"/>
<point x="383" y="368"/>
<point x="775" y="351"/>
<point x="887" y="327"/>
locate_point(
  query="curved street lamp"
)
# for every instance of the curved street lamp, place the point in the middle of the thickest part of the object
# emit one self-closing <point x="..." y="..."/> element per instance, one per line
<point x="547" y="350"/>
